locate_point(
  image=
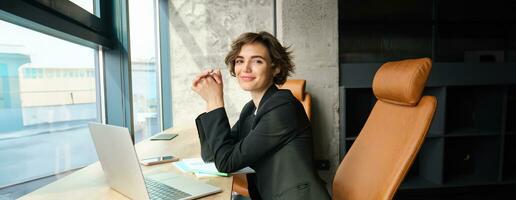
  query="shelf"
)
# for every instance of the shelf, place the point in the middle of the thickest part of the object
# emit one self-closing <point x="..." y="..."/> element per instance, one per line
<point x="471" y="160"/>
<point x="509" y="162"/>
<point x="426" y="171"/>
<point x="471" y="43"/>
<point x="434" y="135"/>
<point x="417" y="182"/>
<point x="360" y="75"/>
<point x="437" y="126"/>
<point x="359" y="103"/>
<point x="470" y="132"/>
<point x="469" y="181"/>
<point x="476" y="110"/>
<point x="480" y="33"/>
<point x="511" y="111"/>
<point x="384" y="42"/>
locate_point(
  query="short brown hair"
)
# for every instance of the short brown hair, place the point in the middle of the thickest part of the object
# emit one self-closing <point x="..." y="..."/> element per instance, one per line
<point x="280" y="56"/>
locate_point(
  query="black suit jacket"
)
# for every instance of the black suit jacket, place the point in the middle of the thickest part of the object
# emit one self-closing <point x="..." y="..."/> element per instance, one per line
<point x="276" y="143"/>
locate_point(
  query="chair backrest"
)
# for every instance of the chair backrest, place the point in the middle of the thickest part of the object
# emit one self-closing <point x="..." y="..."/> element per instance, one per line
<point x="297" y="87"/>
<point x="383" y="152"/>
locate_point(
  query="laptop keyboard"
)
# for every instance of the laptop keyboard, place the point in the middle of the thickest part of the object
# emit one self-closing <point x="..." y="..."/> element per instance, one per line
<point x="160" y="191"/>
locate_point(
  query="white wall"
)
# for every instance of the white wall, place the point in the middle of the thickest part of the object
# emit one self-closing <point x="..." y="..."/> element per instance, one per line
<point x="200" y="36"/>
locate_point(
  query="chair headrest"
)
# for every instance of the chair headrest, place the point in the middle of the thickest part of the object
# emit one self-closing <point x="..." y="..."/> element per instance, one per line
<point x="402" y="82"/>
<point x="296" y="86"/>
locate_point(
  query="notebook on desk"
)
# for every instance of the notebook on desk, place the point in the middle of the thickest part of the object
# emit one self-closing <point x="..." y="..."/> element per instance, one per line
<point x="204" y="169"/>
<point x="123" y="173"/>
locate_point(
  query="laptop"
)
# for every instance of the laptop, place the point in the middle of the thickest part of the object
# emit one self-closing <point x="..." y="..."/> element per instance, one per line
<point x="123" y="173"/>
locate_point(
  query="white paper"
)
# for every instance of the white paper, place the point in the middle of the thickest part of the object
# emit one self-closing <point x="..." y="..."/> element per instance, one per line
<point x="202" y="169"/>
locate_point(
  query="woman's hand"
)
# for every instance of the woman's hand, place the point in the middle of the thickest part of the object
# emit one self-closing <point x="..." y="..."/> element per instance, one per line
<point x="208" y="84"/>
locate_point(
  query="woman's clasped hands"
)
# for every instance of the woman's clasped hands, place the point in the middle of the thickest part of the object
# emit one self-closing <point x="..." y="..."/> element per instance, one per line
<point x="208" y="85"/>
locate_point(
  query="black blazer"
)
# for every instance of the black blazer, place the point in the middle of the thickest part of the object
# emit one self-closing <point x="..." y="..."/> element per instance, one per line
<point x="276" y="143"/>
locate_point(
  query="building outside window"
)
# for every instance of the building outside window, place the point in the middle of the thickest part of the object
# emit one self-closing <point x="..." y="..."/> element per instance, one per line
<point x="145" y="70"/>
<point x="44" y="111"/>
<point x="51" y="87"/>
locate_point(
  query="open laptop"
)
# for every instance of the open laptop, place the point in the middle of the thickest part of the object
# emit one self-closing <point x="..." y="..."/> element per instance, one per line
<point x="123" y="173"/>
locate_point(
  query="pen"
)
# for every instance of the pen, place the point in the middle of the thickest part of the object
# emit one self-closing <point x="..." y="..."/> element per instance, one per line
<point x="213" y="173"/>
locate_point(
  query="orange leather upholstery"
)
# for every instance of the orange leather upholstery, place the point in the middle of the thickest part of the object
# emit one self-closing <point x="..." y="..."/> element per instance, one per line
<point x="240" y="184"/>
<point x="401" y="82"/>
<point x="297" y="87"/>
<point x="383" y="152"/>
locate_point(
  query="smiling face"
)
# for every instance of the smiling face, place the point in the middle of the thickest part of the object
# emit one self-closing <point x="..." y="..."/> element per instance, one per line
<point x="253" y="68"/>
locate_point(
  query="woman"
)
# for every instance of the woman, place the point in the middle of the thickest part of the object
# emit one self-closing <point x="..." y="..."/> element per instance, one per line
<point x="273" y="135"/>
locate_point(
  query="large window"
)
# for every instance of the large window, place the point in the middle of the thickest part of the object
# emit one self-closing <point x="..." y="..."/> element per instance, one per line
<point x="87" y="5"/>
<point x="48" y="94"/>
<point x="57" y="63"/>
<point x="145" y="70"/>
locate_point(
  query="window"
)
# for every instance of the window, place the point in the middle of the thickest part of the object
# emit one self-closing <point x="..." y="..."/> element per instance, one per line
<point x="43" y="120"/>
<point x="87" y="42"/>
<point x="85" y="4"/>
<point x="145" y="76"/>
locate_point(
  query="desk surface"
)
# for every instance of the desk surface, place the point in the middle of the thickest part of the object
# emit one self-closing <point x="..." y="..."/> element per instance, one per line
<point x="89" y="182"/>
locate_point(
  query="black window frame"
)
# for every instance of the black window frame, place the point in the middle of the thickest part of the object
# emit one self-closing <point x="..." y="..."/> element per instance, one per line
<point x="62" y="19"/>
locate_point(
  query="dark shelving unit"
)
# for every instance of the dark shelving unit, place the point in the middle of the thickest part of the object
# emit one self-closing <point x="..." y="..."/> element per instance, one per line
<point x="509" y="162"/>
<point x="474" y="110"/>
<point x="375" y="42"/>
<point x="472" y="139"/>
<point x="471" y="42"/>
<point x="359" y="105"/>
<point x="427" y="167"/>
<point x="437" y="126"/>
<point x="511" y="111"/>
<point x="471" y="160"/>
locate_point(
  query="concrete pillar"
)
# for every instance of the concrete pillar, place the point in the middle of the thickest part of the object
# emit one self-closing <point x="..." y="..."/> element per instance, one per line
<point x="311" y="28"/>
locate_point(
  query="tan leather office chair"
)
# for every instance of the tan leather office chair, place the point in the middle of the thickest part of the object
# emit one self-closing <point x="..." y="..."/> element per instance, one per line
<point x="297" y="87"/>
<point x="384" y="150"/>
